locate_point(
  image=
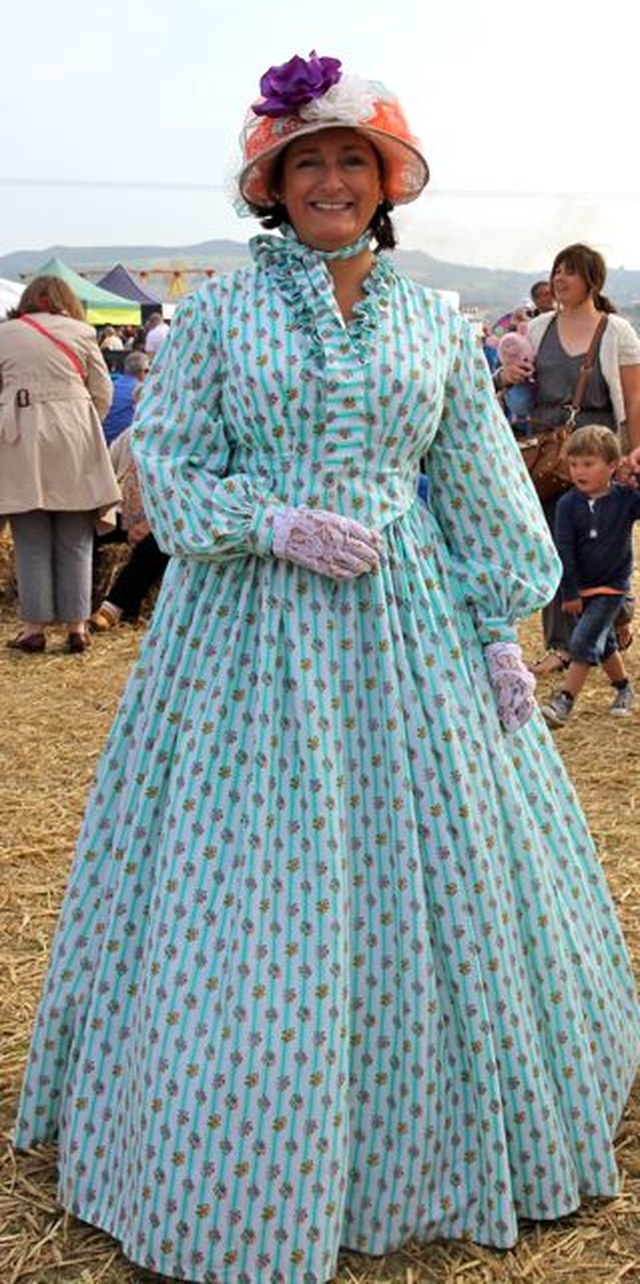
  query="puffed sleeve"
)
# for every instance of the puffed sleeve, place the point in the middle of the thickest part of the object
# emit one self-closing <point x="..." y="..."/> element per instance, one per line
<point x="505" y="562"/>
<point x="181" y="446"/>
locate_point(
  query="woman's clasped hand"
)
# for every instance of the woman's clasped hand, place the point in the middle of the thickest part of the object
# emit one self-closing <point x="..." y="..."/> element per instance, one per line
<point x="325" y="542"/>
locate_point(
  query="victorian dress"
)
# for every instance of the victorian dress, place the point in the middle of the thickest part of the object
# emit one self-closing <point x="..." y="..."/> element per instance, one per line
<point x="337" y="964"/>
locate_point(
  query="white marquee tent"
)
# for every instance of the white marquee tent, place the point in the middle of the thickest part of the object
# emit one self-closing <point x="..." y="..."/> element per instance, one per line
<point x="10" y="292"/>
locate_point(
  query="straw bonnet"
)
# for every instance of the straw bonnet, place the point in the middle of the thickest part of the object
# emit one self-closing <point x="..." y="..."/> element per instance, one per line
<point x="303" y="96"/>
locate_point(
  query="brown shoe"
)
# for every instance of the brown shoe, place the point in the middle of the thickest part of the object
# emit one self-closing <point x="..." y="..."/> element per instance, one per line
<point x="106" y="617"/>
<point x="31" y="643"/>
<point x="78" y="642"/>
<point x="551" y="662"/>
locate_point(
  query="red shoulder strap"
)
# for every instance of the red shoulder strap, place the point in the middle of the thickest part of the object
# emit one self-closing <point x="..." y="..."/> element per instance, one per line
<point x="64" y="347"/>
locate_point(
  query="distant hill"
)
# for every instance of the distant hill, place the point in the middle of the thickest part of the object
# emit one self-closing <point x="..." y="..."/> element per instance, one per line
<point x="490" y="290"/>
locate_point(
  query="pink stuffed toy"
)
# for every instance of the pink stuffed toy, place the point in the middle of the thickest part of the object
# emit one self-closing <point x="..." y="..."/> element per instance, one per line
<point x="515" y="348"/>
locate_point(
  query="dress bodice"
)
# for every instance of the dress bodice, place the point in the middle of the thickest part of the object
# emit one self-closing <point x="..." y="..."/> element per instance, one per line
<point x="265" y="397"/>
<point x="322" y="411"/>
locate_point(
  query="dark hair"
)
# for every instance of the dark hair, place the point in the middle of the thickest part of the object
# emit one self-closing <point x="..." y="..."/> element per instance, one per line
<point x="590" y="265"/>
<point x="50" y="294"/>
<point x="381" y="226"/>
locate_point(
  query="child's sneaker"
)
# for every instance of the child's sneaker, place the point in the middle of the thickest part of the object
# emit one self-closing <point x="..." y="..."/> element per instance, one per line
<point x="558" y="709"/>
<point x="624" y="701"/>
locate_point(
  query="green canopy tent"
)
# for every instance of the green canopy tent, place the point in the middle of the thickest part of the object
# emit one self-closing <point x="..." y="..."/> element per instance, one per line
<point x="101" y="306"/>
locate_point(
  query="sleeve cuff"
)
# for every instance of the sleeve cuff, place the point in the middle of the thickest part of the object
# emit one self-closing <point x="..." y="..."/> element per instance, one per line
<point x="496" y="630"/>
<point x="262" y="531"/>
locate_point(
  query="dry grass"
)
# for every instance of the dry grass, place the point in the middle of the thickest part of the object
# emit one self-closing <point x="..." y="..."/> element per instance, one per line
<point x="57" y="710"/>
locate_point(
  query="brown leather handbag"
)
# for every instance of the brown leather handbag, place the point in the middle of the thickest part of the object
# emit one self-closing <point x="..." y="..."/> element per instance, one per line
<point x="545" y="453"/>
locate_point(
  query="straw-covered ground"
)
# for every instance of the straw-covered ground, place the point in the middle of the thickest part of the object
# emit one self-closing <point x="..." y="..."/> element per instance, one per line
<point x="56" y="713"/>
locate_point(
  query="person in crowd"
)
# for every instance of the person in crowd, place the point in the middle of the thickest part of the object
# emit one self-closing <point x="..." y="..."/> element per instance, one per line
<point x="323" y="976"/>
<point x="560" y="340"/>
<point x="141" y="572"/>
<point x="147" y="562"/>
<point x="156" y="331"/>
<point x="110" y="340"/>
<point x="518" y="399"/>
<point x="136" y="338"/>
<point x="521" y="314"/>
<point x="542" y="297"/>
<point x="489" y="344"/>
<point x="55" y="473"/>
<point x="126" y="386"/>
<point x="129" y="335"/>
<point x="114" y="360"/>
<point x="113" y="531"/>
<point x="594" y="524"/>
<point x="511" y="323"/>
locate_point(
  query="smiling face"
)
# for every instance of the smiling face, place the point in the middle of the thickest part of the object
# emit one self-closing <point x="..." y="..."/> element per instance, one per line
<point x="569" y="287"/>
<point x="331" y="186"/>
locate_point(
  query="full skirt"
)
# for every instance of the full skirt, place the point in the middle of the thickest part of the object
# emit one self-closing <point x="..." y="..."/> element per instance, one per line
<point x="337" y="964"/>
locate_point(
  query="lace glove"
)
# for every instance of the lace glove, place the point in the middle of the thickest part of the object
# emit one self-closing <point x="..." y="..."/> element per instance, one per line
<point x="325" y="542"/>
<point x="513" y="685"/>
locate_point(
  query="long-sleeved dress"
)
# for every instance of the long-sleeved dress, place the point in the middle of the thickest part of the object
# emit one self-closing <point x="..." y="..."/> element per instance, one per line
<point x="337" y="964"/>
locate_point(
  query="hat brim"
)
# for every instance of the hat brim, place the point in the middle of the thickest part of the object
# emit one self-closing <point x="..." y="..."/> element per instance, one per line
<point x="405" y="170"/>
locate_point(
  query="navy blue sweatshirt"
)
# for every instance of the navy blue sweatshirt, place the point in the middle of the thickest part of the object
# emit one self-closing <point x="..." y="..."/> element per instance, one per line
<point x="593" y="538"/>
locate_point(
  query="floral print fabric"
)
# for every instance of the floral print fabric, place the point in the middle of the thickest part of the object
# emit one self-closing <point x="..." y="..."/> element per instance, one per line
<point x="337" y="964"/>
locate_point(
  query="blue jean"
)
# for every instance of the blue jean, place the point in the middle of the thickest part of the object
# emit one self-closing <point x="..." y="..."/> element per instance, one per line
<point x="593" y="638"/>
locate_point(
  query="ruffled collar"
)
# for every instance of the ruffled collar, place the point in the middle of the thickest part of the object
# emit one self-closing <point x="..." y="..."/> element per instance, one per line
<point x="302" y="277"/>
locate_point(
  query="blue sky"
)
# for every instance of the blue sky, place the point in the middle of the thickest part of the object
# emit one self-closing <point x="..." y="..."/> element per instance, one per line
<point x="528" y="118"/>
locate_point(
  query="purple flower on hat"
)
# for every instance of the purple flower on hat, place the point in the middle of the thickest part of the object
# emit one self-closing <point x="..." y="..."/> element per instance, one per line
<point x="293" y="84"/>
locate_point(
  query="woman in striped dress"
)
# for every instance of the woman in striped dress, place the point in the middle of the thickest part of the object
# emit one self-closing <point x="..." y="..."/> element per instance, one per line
<point x="337" y="964"/>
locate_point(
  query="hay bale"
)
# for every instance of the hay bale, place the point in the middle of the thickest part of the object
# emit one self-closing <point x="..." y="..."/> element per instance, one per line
<point x="7" y="575"/>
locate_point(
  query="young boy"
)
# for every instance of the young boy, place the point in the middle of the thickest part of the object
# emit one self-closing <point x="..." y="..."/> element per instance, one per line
<point x="593" y="528"/>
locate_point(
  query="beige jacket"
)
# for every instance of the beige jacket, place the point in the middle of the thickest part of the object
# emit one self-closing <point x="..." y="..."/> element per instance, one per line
<point x="53" y="454"/>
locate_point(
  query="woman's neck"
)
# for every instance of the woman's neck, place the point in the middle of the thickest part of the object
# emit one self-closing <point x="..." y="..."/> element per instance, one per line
<point x="577" y="325"/>
<point x="348" y="276"/>
<point x="577" y="312"/>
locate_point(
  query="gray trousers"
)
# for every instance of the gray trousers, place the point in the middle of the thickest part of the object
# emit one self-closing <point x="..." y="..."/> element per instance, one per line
<point x="53" y="557"/>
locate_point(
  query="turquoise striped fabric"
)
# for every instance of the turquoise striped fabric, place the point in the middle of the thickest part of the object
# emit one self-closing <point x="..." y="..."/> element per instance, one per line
<point x="337" y="964"/>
